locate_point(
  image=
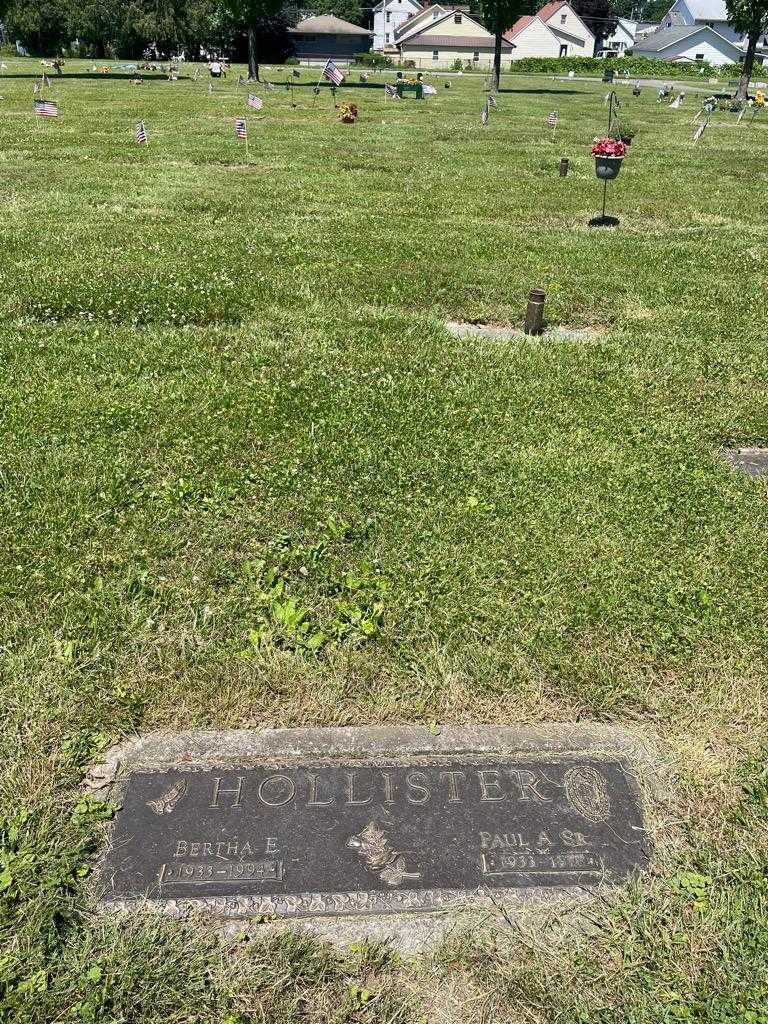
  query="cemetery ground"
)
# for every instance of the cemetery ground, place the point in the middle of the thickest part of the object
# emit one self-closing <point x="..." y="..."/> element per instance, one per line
<point x="249" y="480"/>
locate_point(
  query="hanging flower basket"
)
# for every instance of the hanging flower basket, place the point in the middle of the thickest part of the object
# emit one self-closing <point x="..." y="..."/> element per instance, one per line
<point x="608" y="154"/>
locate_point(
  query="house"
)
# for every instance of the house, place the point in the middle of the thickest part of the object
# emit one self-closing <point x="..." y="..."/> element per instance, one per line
<point x="712" y="13"/>
<point x="690" y="43"/>
<point x="419" y="21"/>
<point x="530" y="37"/>
<point x="388" y="16"/>
<point x="572" y="36"/>
<point x="324" y="36"/>
<point x="622" y="39"/>
<point x="454" y="35"/>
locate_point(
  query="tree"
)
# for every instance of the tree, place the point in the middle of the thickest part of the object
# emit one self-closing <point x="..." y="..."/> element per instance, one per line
<point x="250" y="14"/>
<point x="349" y="10"/>
<point x="500" y="15"/>
<point x="41" y="26"/>
<point x="599" y="17"/>
<point x="750" y="18"/>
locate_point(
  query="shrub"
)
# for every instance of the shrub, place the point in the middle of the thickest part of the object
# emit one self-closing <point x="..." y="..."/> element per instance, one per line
<point x="457" y="65"/>
<point x="291" y="61"/>
<point x="373" y="60"/>
<point x="637" y="67"/>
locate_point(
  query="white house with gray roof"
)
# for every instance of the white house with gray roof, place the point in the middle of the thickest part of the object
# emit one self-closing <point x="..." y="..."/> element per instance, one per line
<point x="689" y="43"/>
<point x="697" y="30"/>
<point x="388" y="16"/>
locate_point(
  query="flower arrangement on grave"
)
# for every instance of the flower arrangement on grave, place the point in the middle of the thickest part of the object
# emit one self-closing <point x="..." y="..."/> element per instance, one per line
<point x="623" y="132"/>
<point x="348" y="113"/>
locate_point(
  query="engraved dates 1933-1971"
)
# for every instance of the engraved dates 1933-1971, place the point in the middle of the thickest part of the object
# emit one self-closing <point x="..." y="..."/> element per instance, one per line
<point x="294" y="839"/>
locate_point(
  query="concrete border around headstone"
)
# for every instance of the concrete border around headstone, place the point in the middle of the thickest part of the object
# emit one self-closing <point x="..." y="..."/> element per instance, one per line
<point x="752" y="460"/>
<point x="492" y="332"/>
<point x="413" y="930"/>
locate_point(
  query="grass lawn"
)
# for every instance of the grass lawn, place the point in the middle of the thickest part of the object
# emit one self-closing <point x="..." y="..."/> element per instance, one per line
<point x="248" y="479"/>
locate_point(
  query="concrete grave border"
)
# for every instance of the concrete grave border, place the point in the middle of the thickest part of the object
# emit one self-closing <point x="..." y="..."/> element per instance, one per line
<point x="409" y="928"/>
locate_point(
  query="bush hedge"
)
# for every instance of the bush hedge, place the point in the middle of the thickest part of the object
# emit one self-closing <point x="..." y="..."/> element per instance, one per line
<point x="637" y="67"/>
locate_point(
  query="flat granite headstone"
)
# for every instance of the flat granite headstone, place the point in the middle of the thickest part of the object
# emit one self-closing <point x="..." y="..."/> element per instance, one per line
<point x="303" y="823"/>
<point x="752" y="461"/>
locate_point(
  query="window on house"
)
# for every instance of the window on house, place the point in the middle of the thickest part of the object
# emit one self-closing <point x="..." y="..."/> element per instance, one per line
<point x="698" y="56"/>
<point x="476" y="55"/>
<point x="387" y="37"/>
<point x="388" y="15"/>
<point x="457" y="19"/>
<point x="435" y="55"/>
<point x="563" y="50"/>
<point x="563" y="18"/>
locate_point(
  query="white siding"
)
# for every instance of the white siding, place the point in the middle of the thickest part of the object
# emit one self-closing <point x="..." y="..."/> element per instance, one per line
<point x="711" y="50"/>
<point x="398" y="11"/>
<point x="422" y="55"/>
<point x="535" y="41"/>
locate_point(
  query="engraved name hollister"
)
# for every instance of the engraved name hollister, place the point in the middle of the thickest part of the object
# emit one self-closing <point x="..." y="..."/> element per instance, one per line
<point x="295" y="839"/>
<point x="483" y="785"/>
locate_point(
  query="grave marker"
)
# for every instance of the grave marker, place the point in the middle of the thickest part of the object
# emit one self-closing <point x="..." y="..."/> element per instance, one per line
<point x="371" y="826"/>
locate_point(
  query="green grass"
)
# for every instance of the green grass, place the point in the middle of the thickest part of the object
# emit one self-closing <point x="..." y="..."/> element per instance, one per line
<point x="247" y="478"/>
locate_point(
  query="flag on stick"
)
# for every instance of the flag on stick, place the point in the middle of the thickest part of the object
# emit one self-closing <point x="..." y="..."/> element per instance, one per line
<point x="241" y="131"/>
<point x="492" y="102"/>
<point x="46" y="81"/>
<point x="484" y="115"/>
<point x="140" y="134"/>
<point x="36" y="89"/>
<point x="210" y="88"/>
<point x="255" y="101"/>
<point x="553" y="119"/>
<point x="390" y="92"/>
<point x="428" y="90"/>
<point x="46" y="108"/>
<point x="675" y="104"/>
<point x="268" y="85"/>
<point x="700" y="131"/>
<point x="333" y="74"/>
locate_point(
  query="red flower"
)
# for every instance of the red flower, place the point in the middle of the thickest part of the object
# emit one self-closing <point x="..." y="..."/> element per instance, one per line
<point x="609" y="147"/>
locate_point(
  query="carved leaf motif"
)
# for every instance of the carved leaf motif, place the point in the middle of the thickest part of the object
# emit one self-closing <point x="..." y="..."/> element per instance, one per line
<point x="587" y="793"/>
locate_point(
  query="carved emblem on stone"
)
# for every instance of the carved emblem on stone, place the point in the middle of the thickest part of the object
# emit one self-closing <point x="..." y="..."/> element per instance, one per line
<point x="166" y="803"/>
<point x="587" y="793"/>
<point x="379" y="857"/>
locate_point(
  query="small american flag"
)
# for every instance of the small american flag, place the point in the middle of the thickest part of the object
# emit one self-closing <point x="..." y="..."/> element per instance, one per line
<point x="46" y="81"/>
<point x="210" y="88"/>
<point x="484" y="115"/>
<point x="241" y="80"/>
<point x="141" y="133"/>
<point x="241" y="128"/>
<point x="46" y="108"/>
<point x="35" y="88"/>
<point x="428" y="90"/>
<point x="700" y="131"/>
<point x="389" y="91"/>
<point x="332" y="74"/>
<point x="268" y="86"/>
<point x="553" y="119"/>
<point x="492" y="102"/>
<point x="255" y="101"/>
